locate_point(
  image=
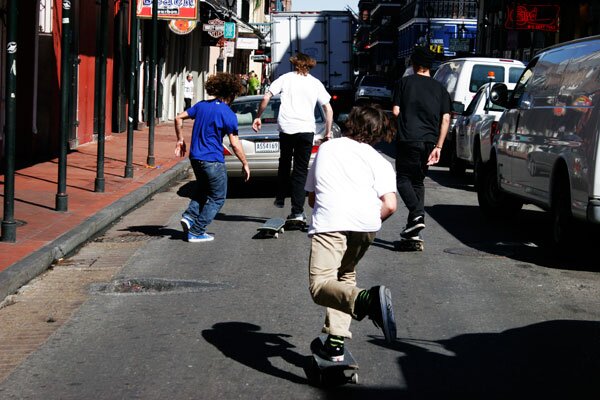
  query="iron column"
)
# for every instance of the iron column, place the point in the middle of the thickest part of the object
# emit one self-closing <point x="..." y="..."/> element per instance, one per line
<point x="133" y="55"/>
<point x="151" y="83"/>
<point x="9" y="227"/>
<point x="103" y="32"/>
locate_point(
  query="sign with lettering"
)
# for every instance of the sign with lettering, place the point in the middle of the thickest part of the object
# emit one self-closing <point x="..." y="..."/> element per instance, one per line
<point x="169" y="9"/>
<point x="214" y="28"/>
<point x="182" y="26"/>
<point x="533" y="17"/>
<point x="229" y="30"/>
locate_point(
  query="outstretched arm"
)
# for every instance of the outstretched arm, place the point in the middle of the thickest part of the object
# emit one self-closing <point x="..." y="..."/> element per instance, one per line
<point x="256" y="124"/>
<point x="238" y="150"/>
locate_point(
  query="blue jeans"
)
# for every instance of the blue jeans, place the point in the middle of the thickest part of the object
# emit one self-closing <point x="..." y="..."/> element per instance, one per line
<point x="209" y="196"/>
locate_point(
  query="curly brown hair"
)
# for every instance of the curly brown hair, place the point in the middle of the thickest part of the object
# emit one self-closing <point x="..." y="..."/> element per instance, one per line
<point x="369" y="124"/>
<point x="303" y="63"/>
<point x="224" y="86"/>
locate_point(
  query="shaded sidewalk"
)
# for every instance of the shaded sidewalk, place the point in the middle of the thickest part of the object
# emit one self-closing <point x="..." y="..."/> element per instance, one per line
<point x="44" y="235"/>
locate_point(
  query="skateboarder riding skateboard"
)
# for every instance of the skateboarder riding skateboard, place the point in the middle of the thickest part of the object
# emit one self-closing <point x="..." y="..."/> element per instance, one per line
<point x="352" y="189"/>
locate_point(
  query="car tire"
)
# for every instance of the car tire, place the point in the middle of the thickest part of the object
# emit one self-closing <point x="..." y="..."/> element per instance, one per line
<point x="457" y="166"/>
<point x="562" y="218"/>
<point x="493" y="202"/>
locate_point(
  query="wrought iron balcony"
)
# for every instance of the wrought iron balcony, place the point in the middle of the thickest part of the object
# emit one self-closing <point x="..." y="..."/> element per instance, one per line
<point x="455" y="9"/>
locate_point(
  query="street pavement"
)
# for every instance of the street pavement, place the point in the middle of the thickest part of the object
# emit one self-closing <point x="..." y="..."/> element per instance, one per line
<point x="45" y="235"/>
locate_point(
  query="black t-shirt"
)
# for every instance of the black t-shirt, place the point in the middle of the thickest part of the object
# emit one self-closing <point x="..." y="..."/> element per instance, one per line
<point x="422" y="101"/>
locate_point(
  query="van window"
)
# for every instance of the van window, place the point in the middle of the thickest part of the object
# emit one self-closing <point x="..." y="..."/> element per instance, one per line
<point x="522" y="84"/>
<point x="447" y="75"/>
<point x="514" y="73"/>
<point x="479" y="75"/>
<point x="581" y="78"/>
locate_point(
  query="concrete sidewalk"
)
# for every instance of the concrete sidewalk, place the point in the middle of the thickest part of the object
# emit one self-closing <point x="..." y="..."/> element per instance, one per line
<point x="44" y="235"/>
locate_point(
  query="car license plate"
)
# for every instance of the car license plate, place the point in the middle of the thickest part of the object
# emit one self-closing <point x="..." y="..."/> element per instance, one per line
<point x="267" y="147"/>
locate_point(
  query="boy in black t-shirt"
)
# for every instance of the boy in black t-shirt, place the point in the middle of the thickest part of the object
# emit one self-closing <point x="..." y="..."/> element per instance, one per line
<point x="422" y="106"/>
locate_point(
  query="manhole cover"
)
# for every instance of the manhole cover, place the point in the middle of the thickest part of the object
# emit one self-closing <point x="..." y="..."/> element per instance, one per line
<point x="134" y="285"/>
<point x="471" y="252"/>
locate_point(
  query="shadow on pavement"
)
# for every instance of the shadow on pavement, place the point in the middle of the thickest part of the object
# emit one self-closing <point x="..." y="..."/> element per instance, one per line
<point x="523" y="238"/>
<point x="244" y="343"/>
<point x="552" y="359"/>
<point x="156" y="231"/>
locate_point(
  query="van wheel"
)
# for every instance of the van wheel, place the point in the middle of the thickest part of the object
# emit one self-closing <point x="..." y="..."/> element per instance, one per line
<point x="493" y="202"/>
<point x="562" y="218"/>
<point x="457" y="166"/>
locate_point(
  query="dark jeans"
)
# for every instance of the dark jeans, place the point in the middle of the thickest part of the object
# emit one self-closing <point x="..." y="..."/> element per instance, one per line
<point x="411" y="167"/>
<point x="209" y="196"/>
<point x="297" y="146"/>
<point x="188" y="103"/>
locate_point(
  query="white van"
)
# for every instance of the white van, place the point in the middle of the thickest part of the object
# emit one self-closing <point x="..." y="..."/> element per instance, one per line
<point x="462" y="78"/>
<point x="547" y="147"/>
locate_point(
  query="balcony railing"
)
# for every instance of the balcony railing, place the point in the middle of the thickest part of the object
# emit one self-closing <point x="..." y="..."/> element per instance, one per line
<point x="455" y="9"/>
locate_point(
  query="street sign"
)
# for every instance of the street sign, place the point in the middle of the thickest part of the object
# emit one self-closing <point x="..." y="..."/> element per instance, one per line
<point x="229" y="30"/>
<point x="214" y="28"/>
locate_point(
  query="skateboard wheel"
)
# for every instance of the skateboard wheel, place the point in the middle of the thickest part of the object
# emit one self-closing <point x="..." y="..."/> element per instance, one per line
<point x="276" y="235"/>
<point x="354" y="379"/>
<point x="282" y="230"/>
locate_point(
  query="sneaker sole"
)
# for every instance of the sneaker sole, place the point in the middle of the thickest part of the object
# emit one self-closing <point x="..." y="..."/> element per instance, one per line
<point x="387" y="314"/>
<point x="184" y="226"/>
<point x="200" y="240"/>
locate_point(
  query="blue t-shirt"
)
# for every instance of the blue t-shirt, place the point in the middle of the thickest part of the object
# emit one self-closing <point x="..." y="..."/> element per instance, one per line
<point x="213" y="120"/>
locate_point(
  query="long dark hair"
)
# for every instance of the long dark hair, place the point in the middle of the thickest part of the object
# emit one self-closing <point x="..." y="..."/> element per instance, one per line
<point x="369" y="124"/>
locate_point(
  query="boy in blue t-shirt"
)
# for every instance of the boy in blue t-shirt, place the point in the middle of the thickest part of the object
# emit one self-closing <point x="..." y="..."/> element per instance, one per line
<point x="213" y="120"/>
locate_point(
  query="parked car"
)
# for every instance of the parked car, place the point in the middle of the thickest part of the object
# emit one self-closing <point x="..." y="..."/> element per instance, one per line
<point x="472" y="131"/>
<point x="262" y="148"/>
<point x="372" y="88"/>
<point x="547" y="148"/>
<point x="462" y="78"/>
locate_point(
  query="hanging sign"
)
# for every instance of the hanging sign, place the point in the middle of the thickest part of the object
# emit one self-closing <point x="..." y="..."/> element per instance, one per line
<point x="533" y="17"/>
<point x="229" y="48"/>
<point x="229" y="30"/>
<point x="246" y="43"/>
<point x="182" y="26"/>
<point x="214" y="27"/>
<point x="169" y="9"/>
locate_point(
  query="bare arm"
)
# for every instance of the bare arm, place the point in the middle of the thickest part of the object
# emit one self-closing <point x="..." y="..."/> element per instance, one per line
<point x="396" y="111"/>
<point x="256" y="124"/>
<point x="238" y="150"/>
<point x="434" y="157"/>
<point x="328" y="120"/>
<point x="180" y="147"/>
<point x="388" y="205"/>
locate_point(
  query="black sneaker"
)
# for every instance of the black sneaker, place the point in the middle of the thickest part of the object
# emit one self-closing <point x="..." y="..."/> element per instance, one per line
<point x="376" y="303"/>
<point x="333" y="349"/>
<point x="297" y="218"/>
<point x="413" y="227"/>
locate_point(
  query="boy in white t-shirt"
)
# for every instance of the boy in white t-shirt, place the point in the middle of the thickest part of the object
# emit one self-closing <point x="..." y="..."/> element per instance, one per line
<point x="352" y="189"/>
<point x="300" y="93"/>
<point x="188" y="91"/>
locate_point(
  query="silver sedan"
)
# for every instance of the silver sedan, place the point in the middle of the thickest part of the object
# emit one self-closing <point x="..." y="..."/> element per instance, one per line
<point x="262" y="148"/>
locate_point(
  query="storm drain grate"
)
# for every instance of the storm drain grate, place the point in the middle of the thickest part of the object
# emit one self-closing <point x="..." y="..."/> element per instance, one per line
<point x="126" y="238"/>
<point x="148" y="286"/>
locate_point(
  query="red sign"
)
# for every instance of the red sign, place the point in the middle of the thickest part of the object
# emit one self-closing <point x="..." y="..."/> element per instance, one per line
<point x="533" y="17"/>
<point x="169" y="9"/>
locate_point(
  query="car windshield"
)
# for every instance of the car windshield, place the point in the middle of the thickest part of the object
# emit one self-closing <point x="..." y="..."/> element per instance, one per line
<point x="377" y="81"/>
<point x="246" y="110"/>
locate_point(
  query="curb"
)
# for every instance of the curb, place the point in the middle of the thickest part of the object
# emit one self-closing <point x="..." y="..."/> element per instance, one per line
<point x="24" y="270"/>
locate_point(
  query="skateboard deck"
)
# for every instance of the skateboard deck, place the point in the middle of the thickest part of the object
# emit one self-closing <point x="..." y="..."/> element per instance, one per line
<point x="410" y="244"/>
<point x="322" y="372"/>
<point x="272" y="227"/>
<point x="294" y="224"/>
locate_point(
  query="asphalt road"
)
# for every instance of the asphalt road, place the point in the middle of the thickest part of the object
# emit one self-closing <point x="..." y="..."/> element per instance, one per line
<point x="487" y="311"/>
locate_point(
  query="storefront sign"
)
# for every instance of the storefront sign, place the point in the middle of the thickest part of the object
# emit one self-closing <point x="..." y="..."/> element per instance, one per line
<point x="182" y="26"/>
<point x="247" y="43"/>
<point x="214" y="28"/>
<point x="229" y="49"/>
<point x="169" y="9"/>
<point x="533" y="17"/>
<point x="459" y="44"/>
<point x="229" y="30"/>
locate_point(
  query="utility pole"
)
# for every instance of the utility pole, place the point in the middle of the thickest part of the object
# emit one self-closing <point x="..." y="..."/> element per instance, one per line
<point x="103" y="32"/>
<point x="133" y="56"/>
<point x="62" y="198"/>
<point x="151" y="83"/>
<point x="9" y="226"/>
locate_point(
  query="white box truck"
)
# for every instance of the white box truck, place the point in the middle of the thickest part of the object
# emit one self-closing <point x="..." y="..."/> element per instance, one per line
<point x="326" y="36"/>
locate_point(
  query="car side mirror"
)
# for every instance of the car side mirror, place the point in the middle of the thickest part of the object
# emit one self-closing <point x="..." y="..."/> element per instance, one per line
<point x="499" y="95"/>
<point x="458" y="107"/>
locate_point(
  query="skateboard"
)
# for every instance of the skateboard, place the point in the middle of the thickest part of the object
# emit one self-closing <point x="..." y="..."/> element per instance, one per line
<point x="411" y="244"/>
<point x="272" y="228"/>
<point x="322" y="372"/>
<point x="294" y="224"/>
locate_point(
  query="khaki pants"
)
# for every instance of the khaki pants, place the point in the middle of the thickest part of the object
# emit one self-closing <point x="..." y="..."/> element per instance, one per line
<point x="332" y="276"/>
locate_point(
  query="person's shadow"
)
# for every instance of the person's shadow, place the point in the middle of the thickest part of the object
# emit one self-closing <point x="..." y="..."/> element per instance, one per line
<point x="242" y="342"/>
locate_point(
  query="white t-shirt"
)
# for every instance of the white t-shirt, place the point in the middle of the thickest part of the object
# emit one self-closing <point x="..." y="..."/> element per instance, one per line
<point x="348" y="179"/>
<point x="188" y="89"/>
<point x="299" y="95"/>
